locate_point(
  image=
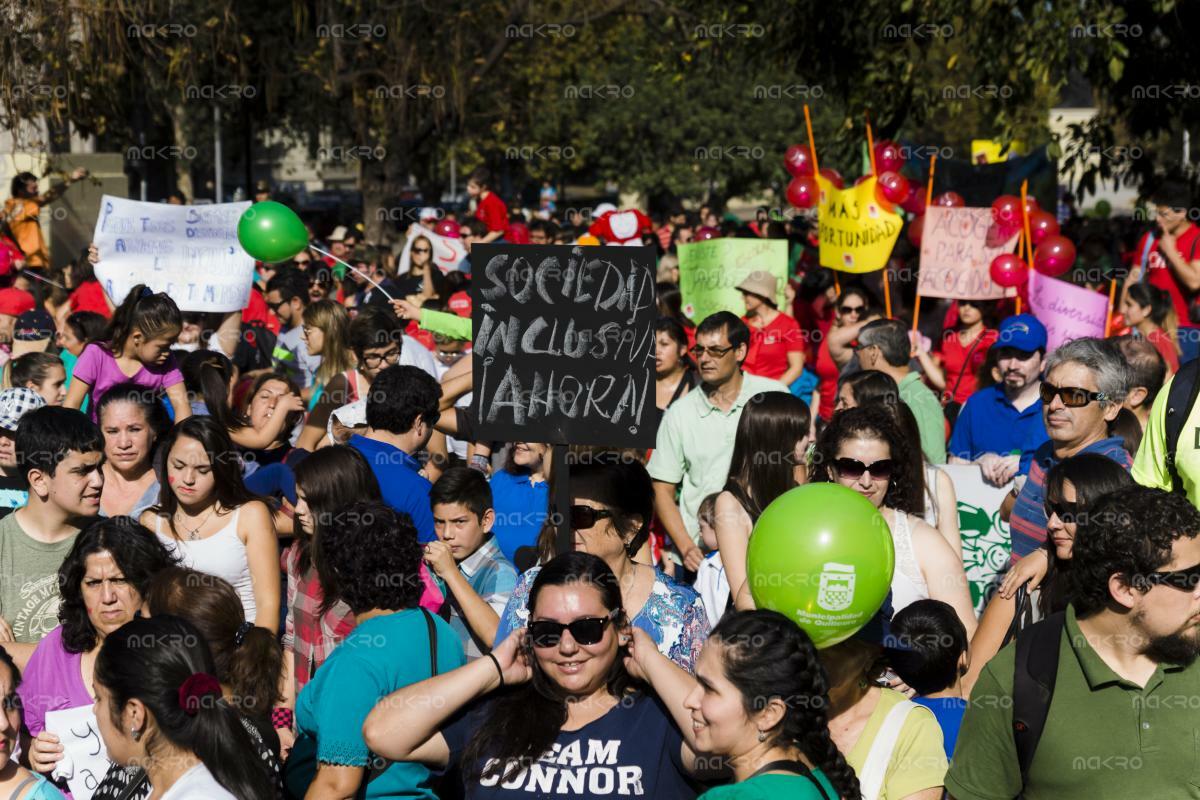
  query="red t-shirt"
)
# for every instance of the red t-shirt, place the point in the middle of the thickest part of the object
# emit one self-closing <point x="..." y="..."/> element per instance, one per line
<point x="89" y="296"/>
<point x="1159" y="271"/>
<point x="493" y="212"/>
<point x="256" y="311"/>
<point x="828" y="372"/>
<point x="770" y="345"/>
<point x="1166" y="348"/>
<point x="955" y="362"/>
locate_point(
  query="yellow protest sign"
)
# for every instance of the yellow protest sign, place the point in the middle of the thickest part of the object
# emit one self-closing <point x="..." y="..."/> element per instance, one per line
<point x="856" y="232"/>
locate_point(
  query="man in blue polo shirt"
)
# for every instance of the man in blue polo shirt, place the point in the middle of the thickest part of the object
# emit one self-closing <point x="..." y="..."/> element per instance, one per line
<point x="402" y="407"/>
<point x="1000" y="427"/>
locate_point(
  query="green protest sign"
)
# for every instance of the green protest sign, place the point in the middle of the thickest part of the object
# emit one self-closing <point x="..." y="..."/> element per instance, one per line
<point x="709" y="272"/>
<point x="986" y="539"/>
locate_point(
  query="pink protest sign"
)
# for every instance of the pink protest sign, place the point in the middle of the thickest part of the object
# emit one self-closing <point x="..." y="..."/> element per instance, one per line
<point x="1068" y="311"/>
<point x="957" y="249"/>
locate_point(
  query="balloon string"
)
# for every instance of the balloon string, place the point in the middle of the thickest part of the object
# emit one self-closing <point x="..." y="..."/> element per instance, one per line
<point x="365" y="276"/>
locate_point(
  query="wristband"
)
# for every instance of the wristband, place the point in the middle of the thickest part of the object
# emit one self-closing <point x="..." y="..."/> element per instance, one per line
<point x="478" y="462"/>
<point x="499" y="671"/>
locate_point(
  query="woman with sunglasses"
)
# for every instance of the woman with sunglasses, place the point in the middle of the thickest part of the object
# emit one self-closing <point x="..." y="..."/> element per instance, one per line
<point x="863" y="449"/>
<point x="853" y="310"/>
<point x="611" y="507"/>
<point x="1072" y="486"/>
<point x="551" y="712"/>
<point x="957" y="357"/>
<point x="769" y="457"/>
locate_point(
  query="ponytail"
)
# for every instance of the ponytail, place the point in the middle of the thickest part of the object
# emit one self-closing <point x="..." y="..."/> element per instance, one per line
<point x="163" y="662"/>
<point x="145" y="312"/>
<point x="207" y="374"/>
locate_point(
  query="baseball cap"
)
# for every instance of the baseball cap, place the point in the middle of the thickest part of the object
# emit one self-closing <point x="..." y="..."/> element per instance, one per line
<point x="32" y="333"/>
<point x="16" y="403"/>
<point x="1022" y="332"/>
<point x="339" y="234"/>
<point x="15" y="302"/>
<point x="429" y="212"/>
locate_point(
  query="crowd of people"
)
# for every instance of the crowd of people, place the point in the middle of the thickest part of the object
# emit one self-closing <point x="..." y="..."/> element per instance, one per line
<point x="273" y="554"/>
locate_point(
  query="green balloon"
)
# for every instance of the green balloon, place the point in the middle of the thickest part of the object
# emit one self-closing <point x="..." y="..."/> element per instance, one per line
<point x="271" y="232"/>
<point x="822" y="555"/>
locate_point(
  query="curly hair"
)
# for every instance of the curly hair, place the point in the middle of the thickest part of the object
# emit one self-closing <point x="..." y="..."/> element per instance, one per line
<point x="368" y="556"/>
<point x="138" y="554"/>
<point x="767" y="657"/>
<point x="1129" y="533"/>
<point x="905" y="490"/>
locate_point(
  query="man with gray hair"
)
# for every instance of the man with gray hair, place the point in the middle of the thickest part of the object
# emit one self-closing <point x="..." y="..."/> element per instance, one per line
<point x="884" y="346"/>
<point x="1086" y="382"/>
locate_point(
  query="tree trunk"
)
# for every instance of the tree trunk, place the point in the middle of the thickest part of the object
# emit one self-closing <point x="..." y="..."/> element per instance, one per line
<point x="381" y="181"/>
<point x="183" y="164"/>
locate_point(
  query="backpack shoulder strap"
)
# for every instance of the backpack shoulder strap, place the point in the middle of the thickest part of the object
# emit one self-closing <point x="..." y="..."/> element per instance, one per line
<point x="1033" y="685"/>
<point x="879" y="756"/>
<point x="1181" y="398"/>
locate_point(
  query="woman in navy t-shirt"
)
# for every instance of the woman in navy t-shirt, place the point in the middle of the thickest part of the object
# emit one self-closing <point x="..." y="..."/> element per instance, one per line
<point x="563" y="720"/>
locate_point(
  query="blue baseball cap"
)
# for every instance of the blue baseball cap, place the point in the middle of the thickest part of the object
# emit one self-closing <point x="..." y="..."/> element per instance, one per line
<point x="1022" y="332"/>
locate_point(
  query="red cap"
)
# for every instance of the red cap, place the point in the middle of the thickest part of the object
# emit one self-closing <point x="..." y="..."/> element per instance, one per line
<point x="460" y="303"/>
<point x="15" y="302"/>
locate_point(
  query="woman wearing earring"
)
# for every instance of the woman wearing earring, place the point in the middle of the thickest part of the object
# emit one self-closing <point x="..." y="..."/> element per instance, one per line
<point x="611" y="507"/>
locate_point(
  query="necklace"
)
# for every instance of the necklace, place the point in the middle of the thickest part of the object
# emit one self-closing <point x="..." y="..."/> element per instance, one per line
<point x="193" y="532"/>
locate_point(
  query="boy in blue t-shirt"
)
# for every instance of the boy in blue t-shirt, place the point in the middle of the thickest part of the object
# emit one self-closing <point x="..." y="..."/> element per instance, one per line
<point x="928" y="650"/>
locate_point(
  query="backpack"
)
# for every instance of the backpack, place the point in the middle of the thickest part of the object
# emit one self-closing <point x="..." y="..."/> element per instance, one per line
<point x="1181" y="398"/>
<point x="1033" y="685"/>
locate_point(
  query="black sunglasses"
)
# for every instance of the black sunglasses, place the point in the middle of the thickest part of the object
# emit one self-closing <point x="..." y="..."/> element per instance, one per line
<point x="1072" y="396"/>
<point x="714" y="352"/>
<point x="1066" y="512"/>
<point x="851" y="309"/>
<point x="584" y="517"/>
<point x="586" y="631"/>
<point x="853" y="469"/>
<point x="421" y="250"/>
<point x="1186" y="579"/>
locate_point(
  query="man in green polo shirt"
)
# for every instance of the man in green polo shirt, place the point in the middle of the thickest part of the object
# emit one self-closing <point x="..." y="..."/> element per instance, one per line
<point x="883" y="345"/>
<point x="695" y="438"/>
<point x="1123" y="719"/>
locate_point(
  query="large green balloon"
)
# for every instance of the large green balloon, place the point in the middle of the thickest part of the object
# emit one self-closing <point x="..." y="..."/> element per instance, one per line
<point x="271" y="232"/>
<point x="822" y="555"/>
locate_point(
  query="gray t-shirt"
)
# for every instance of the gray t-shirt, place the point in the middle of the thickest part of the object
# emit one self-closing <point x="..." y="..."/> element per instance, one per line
<point x="29" y="581"/>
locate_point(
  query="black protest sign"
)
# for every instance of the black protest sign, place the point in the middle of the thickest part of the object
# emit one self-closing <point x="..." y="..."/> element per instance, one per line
<point x="564" y="344"/>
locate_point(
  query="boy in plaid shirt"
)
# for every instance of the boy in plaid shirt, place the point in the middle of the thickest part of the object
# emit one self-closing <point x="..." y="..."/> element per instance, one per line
<point x="475" y="575"/>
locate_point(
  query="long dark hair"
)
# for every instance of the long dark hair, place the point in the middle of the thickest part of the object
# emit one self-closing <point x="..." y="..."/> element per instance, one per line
<point x="766" y="656"/>
<point x="152" y="314"/>
<point x="905" y="489"/>
<point x="870" y="386"/>
<point x="150" y="660"/>
<point x="331" y="478"/>
<point x="1093" y="476"/>
<point x="625" y="489"/>
<point x="248" y="659"/>
<point x="670" y="304"/>
<point x="522" y="722"/>
<point x="138" y="554"/>
<point x="764" y="449"/>
<point x="243" y="404"/>
<point x="207" y="375"/>
<point x="226" y="466"/>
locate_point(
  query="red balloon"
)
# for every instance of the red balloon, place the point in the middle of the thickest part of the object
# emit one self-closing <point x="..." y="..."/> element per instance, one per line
<point x="448" y="228"/>
<point x="1054" y="255"/>
<point x="798" y="160"/>
<point x="915" y="204"/>
<point x="803" y="191"/>
<point x="892" y="187"/>
<point x="1006" y="212"/>
<point x="1008" y="271"/>
<point x="1031" y="205"/>
<point x="833" y="176"/>
<point x="916" y="229"/>
<point x="1041" y="225"/>
<point x="949" y="200"/>
<point x="706" y="233"/>
<point x="888" y="156"/>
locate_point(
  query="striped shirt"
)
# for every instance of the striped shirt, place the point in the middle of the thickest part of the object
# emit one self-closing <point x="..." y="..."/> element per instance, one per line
<point x="493" y="577"/>
<point x="1028" y="519"/>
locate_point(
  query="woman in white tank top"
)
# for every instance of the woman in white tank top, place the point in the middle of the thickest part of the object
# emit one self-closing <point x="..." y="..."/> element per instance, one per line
<point x="863" y="449"/>
<point x="207" y="516"/>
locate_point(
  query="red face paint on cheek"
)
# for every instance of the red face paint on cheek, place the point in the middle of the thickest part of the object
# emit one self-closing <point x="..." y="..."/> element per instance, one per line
<point x="171" y="480"/>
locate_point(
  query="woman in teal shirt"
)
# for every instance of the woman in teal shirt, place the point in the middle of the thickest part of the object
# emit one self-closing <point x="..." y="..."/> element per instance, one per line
<point x="759" y="701"/>
<point x="368" y="557"/>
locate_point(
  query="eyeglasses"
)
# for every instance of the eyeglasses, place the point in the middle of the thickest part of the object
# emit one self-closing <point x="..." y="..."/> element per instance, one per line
<point x="714" y="352"/>
<point x="1066" y="512"/>
<point x="585" y="517"/>
<point x="1186" y="579"/>
<point x="373" y="360"/>
<point x="586" y="631"/>
<point x="276" y="306"/>
<point x="971" y="303"/>
<point x="851" y="309"/>
<point x="853" y="469"/>
<point x="422" y="250"/>
<point x="1072" y="396"/>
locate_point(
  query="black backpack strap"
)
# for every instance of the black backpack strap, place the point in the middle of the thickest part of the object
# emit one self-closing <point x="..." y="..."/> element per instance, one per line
<point x="432" y="643"/>
<point x="795" y="767"/>
<point x="1181" y="398"/>
<point x="1033" y="685"/>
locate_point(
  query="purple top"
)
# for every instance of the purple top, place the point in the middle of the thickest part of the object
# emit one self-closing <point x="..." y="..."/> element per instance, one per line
<point x="52" y="681"/>
<point x="98" y="368"/>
